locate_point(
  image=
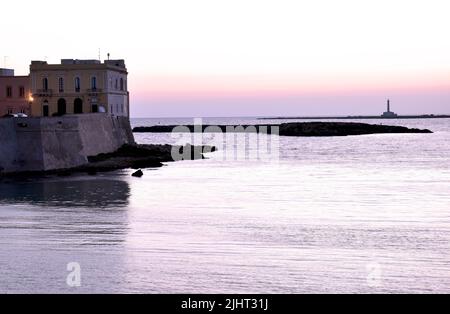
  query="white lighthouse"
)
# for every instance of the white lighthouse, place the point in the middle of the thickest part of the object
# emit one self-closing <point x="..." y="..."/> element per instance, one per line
<point x="389" y="113"/>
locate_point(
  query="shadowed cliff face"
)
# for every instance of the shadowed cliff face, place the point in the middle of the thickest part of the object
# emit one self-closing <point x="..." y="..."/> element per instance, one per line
<point x="84" y="192"/>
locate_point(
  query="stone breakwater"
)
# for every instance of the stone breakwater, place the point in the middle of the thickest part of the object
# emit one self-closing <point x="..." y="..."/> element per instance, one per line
<point x="288" y="129"/>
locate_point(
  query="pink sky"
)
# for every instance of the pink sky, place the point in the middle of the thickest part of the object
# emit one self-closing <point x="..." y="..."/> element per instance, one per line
<point x="427" y="93"/>
<point x="252" y="57"/>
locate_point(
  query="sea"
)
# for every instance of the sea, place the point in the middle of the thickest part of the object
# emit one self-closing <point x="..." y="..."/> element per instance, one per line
<point x="357" y="214"/>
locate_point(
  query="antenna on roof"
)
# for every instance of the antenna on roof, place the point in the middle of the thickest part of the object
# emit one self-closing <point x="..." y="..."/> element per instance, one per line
<point x="108" y="55"/>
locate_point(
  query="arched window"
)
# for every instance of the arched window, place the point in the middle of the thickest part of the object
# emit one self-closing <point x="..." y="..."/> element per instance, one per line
<point x="77" y="84"/>
<point x="121" y="83"/>
<point x="93" y="83"/>
<point x="45" y="84"/>
<point x="61" y="84"/>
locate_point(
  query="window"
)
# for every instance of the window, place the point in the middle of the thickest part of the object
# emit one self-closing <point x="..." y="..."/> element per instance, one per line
<point x="112" y="108"/>
<point x="10" y="111"/>
<point x="93" y="83"/>
<point x="117" y="84"/>
<point x="22" y="92"/>
<point x="77" y="84"/>
<point x="121" y="83"/>
<point x="61" y="84"/>
<point x="45" y="84"/>
<point x="8" y="91"/>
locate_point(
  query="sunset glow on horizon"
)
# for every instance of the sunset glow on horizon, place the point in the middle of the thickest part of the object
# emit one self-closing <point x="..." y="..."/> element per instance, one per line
<point x="232" y="58"/>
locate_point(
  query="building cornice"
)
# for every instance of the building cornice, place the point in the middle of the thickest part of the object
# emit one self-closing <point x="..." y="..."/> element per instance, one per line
<point x="76" y="67"/>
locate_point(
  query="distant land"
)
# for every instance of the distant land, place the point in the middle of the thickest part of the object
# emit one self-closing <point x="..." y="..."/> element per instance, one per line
<point x="426" y="116"/>
<point x="286" y="129"/>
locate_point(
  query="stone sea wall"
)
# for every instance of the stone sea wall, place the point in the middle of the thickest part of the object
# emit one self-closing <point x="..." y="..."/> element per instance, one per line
<point x="51" y="143"/>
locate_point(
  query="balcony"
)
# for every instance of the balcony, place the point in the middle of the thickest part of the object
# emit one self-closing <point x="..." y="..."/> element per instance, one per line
<point x="44" y="92"/>
<point x="94" y="91"/>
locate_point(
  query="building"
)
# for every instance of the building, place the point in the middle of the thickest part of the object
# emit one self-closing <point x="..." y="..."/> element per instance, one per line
<point x="15" y="93"/>
<point x="79" y="87"/>
<point x="389" y="113"/>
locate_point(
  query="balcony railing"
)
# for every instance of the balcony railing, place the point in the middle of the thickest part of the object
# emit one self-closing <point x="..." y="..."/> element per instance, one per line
<point x="94" y="90"/>
<point x="44" y="92"/>
<point x="51" y="92"/>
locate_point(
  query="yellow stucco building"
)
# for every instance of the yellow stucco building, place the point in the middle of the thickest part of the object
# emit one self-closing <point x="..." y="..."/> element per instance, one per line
<point x="78" y="87"/>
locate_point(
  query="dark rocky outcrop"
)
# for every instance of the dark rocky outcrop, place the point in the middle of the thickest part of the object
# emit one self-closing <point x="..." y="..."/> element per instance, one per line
<point x="290" y="129"/>
<point x="424" y="116"/>
<point x="138" y="174"/>
<point x="133" y="156"/>
<point x="142" y="156"/>
<point x="341" y="129"/>
<point x="194" y="128"/>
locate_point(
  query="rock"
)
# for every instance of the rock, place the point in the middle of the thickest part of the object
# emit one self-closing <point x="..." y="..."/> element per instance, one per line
<point x="133" y="156"/>
<point x="138" y="174"/>
<point x="64" y="173"/>
<point x="341" y="129"/>
<point x="146" y="163"/>
<point x="292" y="129"/>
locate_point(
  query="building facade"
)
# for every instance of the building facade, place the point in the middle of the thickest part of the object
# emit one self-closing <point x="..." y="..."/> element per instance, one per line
<point x="15" y="93"/>
<point x="79" y="87"/>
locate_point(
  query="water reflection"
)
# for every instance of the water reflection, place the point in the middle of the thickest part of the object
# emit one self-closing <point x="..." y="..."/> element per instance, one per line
<point x="58" y="192"/>
<point x="47" y="223"/>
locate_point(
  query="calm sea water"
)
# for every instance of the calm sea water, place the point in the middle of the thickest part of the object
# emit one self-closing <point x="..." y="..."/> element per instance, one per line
<point x="361" y="214"/>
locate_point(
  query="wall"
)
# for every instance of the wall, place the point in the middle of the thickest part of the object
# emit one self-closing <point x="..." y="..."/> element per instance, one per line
<point x="16" y="103"/>
<point x="108" y="91"/>
<point x="38" y="144"/>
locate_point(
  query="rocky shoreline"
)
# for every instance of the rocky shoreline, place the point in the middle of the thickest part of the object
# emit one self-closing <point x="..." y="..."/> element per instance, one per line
<point x="342" y="129"/>
<point x="140" y="156"/>
<point x="288" y="129"/>
<point x="136" y="156"/>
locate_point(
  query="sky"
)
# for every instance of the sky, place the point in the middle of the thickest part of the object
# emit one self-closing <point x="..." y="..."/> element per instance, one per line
<point x="212" y="58"/>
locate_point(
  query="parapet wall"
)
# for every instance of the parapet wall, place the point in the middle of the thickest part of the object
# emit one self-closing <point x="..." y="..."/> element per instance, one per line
<point x="51" y="143"/>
